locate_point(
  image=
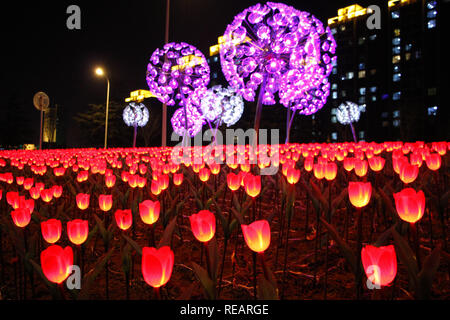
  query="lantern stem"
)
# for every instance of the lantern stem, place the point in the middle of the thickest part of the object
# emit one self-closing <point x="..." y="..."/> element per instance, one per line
<point x="134" y="138"/>
<point x="288" y="132"/>
<point x="353" y="132"/>
<point x="262" y="89"/>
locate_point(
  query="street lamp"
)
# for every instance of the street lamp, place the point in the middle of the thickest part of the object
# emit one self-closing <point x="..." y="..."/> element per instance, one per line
<point x="100" y="72"/>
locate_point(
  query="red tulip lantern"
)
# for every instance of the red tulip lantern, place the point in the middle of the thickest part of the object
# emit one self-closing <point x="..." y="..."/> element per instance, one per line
<point x="51" y="230"/>
<point x="21" y="217"/>
<point x="124" y="219"/>
<point x="319" y="171"/>
<point x="408" y="172"/>
<point x="47" y="195"/>
<point x="78" y="231"/>
<point x="410" y="204"/>
<point x="203" y="225"/>
<point x="157" y="265"/>
<point x="35" y="193"/>
<point x="361" y="167"/>
<point x="203" y="174"/>
<point x="380" y="264"/>
<point x="330" y="171"/>
<point x="252" y="185"/>
<point x="57" y="191"/>
<point x="257" y="235"/>
<point x="149" y="211"/>
<point x="177" y="179"/>
<point x="105" y="202"/>
<point x="110" y="181"/>
<point x="376" y="163"/>
<point x="233" y="181"/>
<point x="82" y="201"/>
<point x="56" y="263"/>
<point x="292" y="175"/>
<point x="433" y="161"/>
<point x="359" y="193"/>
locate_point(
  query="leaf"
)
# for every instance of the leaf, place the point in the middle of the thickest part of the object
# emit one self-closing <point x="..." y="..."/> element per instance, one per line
<point x="89" y="278"/>
<point x="388" y="202"/>
<point x="406" y="256"/>
<point x="206" y="282"/>
<point x="265" y="290"/>
<point x="343" y="246"/>
<point x="426" y="276"/>
<point x="167" y="234"/>
<point x="238" y="216"/>
<point x="383" y="238"/>
<point x="133" y="243"/>
<point x="318" y="195"/>
<point x="39" y="271"/>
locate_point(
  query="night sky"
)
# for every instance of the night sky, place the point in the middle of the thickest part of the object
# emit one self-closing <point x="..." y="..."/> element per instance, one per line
<point x="39" y="53"/>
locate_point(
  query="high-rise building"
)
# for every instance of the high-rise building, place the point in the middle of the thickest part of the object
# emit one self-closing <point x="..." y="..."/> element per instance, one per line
<point x="395" y="73"/>
<point x="50" y="124"/>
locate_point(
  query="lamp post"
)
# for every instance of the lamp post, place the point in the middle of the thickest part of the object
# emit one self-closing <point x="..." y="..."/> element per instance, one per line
<point x="99" y="72"/>
<point x="164" y="111"/>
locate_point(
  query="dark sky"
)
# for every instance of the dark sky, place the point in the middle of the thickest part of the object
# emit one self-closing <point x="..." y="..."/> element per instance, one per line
<point x="40" y="54"/>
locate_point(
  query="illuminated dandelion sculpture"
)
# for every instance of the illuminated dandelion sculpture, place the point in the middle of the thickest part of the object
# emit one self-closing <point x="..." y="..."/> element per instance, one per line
<point x="174" y="73"/>
<point x="221" y="105"/>
<point x="135" y="115"/>
<point x="348" y="113"/>
<point x="280" y="50"/>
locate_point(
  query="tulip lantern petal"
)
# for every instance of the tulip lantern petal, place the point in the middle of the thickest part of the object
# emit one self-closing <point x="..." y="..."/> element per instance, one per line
<point x="257" y="235"/>
<point x="56" y="263"/>
<point x="203" y="225"/>
<point x="380" y="264"/>
<point x="359" y="193"/>
<point x="410" y="204"/>
<point x="157" y="265"/>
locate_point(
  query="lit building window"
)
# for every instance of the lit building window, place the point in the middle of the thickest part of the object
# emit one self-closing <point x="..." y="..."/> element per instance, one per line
<point x="343" y="93"/>
<point x="431" y="14"/>
<point x="373" y="89"/>
<point x="207" y="60"/>
<point x="216" y="59"/>
<point x="407" y="56"/>
<point x="333" y="111"/>
<point x="343" y="78"/>
<point x="361" y="100"/>
<point x="374" y="98"/>
<point x="396" y="123"/>
<point x="396" y="114"/>
<point x="373" y="71"/>
<point x="418" y="54"/>
<point x="396" y="50"/>
<point x="384" y="115"/>
<point x="333" y="119"/>
<point x="385" y="124"/>
<point x="396" y="32"/>
<point x="334" y="86"/>
<point x="361" y="40"/>
<point x="334" y="136"/>
<point x="431" y="24"/>
<point x="396" y="41"/>
<point x="214" y="75"/>
<point x="396" y="68"/>
<point x="396" y="96"/>
<point x="432" y="111"/>
<point x="395" y="15"/>
<point x="335" y="95"/>
<point x="431" y="91"/>
<point x="408" y="47"/>
<point x="334" y="70"/>
<point x="396" y="59"/>
<point x="362" y="74"/>
<point x="333" y="30"/>
<point x="342" y="27"/>
<point x="431" y="5"/>
<point x="362" y="91"/>
<point x="373" y="37"/>
<point x="350" y="75"/>
<point x="396" y="77"/>
<point x="362" y="108"/>
<point x="362" y="134"/>
<point x="362" y="66"/>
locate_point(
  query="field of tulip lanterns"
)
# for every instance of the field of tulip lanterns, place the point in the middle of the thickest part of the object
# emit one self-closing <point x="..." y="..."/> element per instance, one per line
<point x="337" y="221"/>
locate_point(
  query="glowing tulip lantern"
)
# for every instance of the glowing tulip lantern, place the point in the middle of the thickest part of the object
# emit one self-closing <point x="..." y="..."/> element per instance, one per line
<point x="51" y="230"/>
<point x="82" y="201"/>
<point x="252" y="185"/>
<point x="149" y="211"/>
<point x="410" y="204"/>
<point x="233" y="181"/>
<point x="56" y="263"/>
<point x="157" y="265"/>
<point x="124" y="219"/>
<point x="21" y="217"/>
<point x="203" y="225"/>
<point x="380" y="264"/>
<point x="359" y="193"/>
<point x="78" y="231"/>
<point x="257" y="235"/>
<point x="105" y="202"/>
<point x="408" y="172"/>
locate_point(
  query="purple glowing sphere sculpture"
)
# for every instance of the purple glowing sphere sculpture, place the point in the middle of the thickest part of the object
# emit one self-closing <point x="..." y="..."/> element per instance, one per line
<point x="283" y="51"/>
<point x="176" y="71"/>
<point x="194" y="118"/>
<point x="222" y="105"/>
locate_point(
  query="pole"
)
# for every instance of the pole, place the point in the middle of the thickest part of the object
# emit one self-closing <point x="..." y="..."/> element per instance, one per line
<point x="134" y="138"/>
<point x="164" y="110"/>
<point x="107" y="113"/>
<point x="40" y="132"/>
